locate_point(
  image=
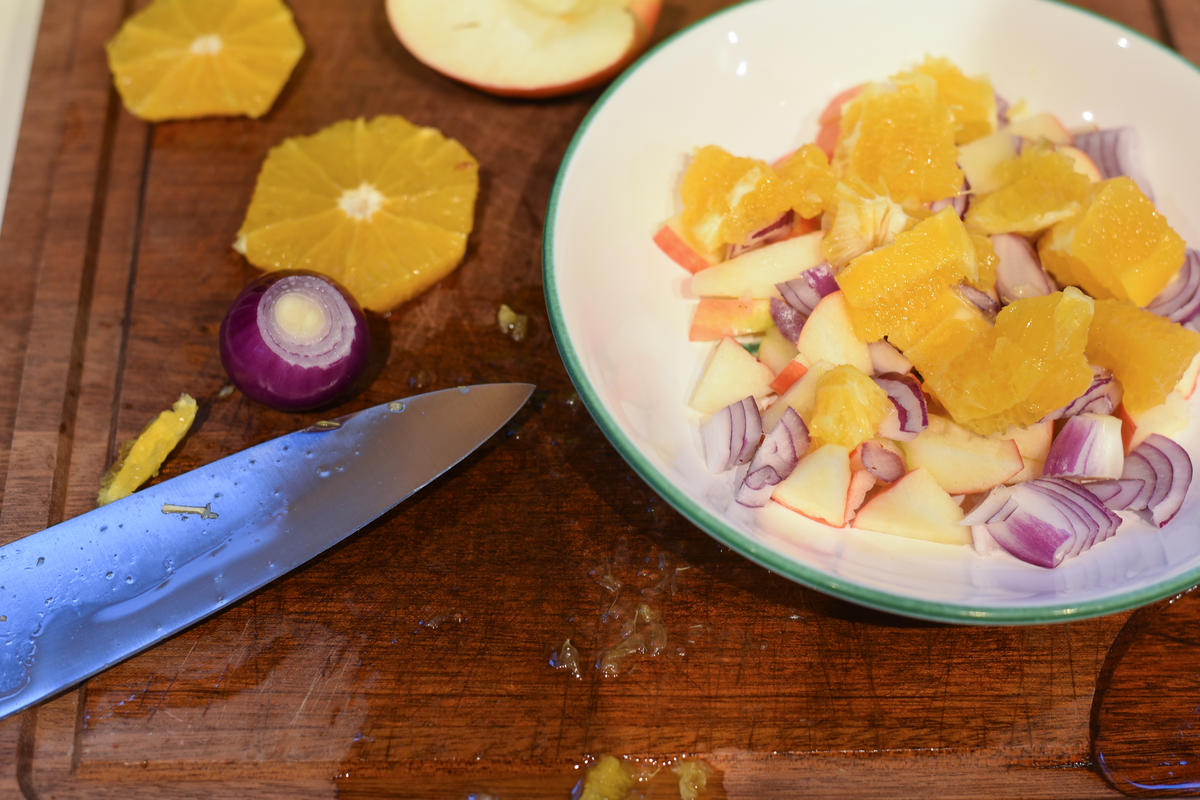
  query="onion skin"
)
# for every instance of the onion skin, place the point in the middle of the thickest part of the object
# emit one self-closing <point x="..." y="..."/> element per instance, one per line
<point x="286" y="374"/>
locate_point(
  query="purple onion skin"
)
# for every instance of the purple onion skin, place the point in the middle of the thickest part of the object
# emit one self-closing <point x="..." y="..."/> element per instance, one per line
<point x="263" y="376"/>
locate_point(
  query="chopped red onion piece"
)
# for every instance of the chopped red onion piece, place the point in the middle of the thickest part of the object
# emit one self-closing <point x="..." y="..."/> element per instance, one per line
<point x="958" y="202"/>
<point x="1165" y="465"/>
<point x="787" y="319"/>
<point x="731" y="435"/>
<point x="1101" y="397"/>
<point x="1115" y="152"/>
<point x="1122" y="494"/>
<point x="775" y="459"/>
<point x="1001" y="110"/>
<point x="777" y="231"/>
<point x="1180" y="300"/>
<point x="1019" y="271"/>
<point x="1045" y="520"/>
<point x="881" y="461"/>
<point x="1087" y="446"/>
<point x="912" y="412"/>
<point x="803" y="293"/>
<point x="980" y="299"/>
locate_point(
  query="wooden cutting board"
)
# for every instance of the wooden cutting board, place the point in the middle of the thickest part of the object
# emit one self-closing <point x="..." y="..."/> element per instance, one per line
<point x="423" y="657"/>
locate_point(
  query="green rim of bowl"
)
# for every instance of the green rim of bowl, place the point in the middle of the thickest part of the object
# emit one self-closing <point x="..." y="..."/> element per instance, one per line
<point x="738" y="541"/>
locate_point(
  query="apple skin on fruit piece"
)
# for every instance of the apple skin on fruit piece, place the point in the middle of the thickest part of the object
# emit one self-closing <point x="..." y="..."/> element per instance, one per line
<point x="676" y="247"/>
<point x="818" y="486"/>
<point x="718" y="317"/>
<point x="477" y="42"/>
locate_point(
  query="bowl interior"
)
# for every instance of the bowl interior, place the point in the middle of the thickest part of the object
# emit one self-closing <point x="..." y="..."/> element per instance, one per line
<point x="753" y="79"/>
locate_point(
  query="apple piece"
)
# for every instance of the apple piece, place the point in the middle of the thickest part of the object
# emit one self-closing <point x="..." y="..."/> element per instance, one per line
<point x="755" y="272"/>
<point x="1169" y="418"/>
<point x="978" y="159"/>
<point x="1033" y="442"/>
<point x="830" y="120"/>
<point x="672" y="241"/>
<point x="730" y="374"/>
<point x="801" y="396"/>
<point x="960" y="461"/>
<point x="793" y="371"/>
<point x="861" y="482"/>
<point x="1041" y="126"/>
<point x="718" y="317"/>
<point x="818" y="486"/>
<point x="829" y="336"/>
<point x="915" y="506"/>
<point x="1082" y="162"/>
<point x="525" y="48"/>
<point x="775" y="350"/>
<point x="1187" y="382"/>
<point x="886" y="358"/>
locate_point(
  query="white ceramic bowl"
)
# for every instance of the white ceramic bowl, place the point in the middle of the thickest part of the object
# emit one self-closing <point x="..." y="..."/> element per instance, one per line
<point x="752" y="79"/>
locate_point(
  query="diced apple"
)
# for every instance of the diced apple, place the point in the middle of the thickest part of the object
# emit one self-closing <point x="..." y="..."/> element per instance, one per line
<point x="1187" y="384"/>
<point x="1083" y="163"/>
<point x="1168" y="418"/>
<point x="718" y="317"/>
<point x="755" y="273"/>
<point x="861" y="482"/>
<point x="1033" y="442"/>
<point x="801" y="396"/>
<point x="818" y="486"/>
<point x="675" y="245"/>
<point x="829" y="336"/>
<point x="1037" y="127"/>
<point x="534" y="48"/>
<point x="915" y="506"/>
<point x="793" y="371"/>
<point x="978" y="159"/>
<point x="730" y="374"/>
<point x="960" y="461"/>
<point x="886" y="358"/>
<point x="775" y="350"/>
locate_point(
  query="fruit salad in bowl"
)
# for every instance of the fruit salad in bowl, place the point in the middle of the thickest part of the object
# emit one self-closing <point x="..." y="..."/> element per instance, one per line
<point x="932" y="343"/>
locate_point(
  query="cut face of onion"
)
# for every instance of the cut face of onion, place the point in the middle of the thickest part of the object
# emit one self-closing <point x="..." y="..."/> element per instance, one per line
<point x="775" y="459"/>
<point x="294" y="340"/>
<point x="1167" y="470"/>
<point x="1087" y="446"/>
<point x="1180" y="300"/>
<point x="1019" y="271"/>
<point x="980" y="299"/>
<point x="803" y="293"/>
<point x="731" y="435"/>
<point x="882" y="461"/>
<point x="1114" y="151"/>
<point x="912" y="412"/>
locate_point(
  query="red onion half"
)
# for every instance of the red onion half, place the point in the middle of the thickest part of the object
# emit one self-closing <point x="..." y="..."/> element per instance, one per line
<point x="294" y="340"/>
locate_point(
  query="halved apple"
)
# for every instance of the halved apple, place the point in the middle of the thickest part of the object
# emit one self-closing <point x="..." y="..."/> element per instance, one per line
<point x="525" y="48"/>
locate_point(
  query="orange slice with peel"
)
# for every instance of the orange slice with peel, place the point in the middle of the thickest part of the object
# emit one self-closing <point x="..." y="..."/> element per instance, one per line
<point x="178" y="59"/>
<point x="384" y="207"/>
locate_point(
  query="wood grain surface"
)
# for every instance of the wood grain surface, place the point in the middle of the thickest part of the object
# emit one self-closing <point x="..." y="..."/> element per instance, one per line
<point x="419" y="658"/>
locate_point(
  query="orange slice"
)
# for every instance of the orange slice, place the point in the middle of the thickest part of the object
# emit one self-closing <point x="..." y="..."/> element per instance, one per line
<point x="1147" y="354"/>
<point x="177" y="59"/>
<point x="383" y="207"/>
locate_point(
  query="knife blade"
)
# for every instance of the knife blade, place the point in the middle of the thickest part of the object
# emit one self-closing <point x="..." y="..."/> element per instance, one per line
<point x="83" y="595"/>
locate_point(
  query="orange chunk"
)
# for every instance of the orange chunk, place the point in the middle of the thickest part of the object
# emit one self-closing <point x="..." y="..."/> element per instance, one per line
<point x="809" y="179"/>
<point x="1119" y="247"/>
<point x="1037" y="189"/>
<point x="848" y="409"/>
<point x="899" y="291"/>
<point x="900" y="141"/>
<point x="972" y="101"/>
<point x="1147" y="353"/>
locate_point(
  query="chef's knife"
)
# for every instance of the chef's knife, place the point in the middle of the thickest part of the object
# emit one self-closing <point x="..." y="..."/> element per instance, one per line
<point x="89" y="592"/>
